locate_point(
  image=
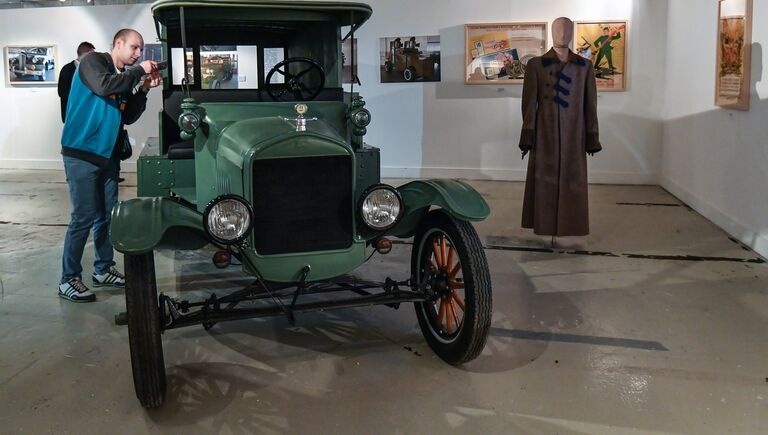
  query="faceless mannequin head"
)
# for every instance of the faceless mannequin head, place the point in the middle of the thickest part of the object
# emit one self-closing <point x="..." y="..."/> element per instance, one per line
<point x="562" y="32"/>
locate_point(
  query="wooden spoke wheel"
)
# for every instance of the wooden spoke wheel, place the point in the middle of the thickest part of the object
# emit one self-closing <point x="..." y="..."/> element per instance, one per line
<point x="448" y="261"/>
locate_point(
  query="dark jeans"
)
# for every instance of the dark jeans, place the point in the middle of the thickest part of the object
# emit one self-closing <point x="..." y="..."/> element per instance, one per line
<point x="93" y="191"/>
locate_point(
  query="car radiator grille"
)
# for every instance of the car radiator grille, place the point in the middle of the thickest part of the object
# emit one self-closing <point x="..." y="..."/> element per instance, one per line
<point x="302" y="204"/>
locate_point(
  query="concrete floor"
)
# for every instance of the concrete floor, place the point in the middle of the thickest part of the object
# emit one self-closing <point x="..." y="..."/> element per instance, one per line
<point x="659" y="328"/>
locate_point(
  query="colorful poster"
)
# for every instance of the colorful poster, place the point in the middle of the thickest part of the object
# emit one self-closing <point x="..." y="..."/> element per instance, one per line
<point x="731" y="56"/>
<point x="734" y="39"/>
<point x="497" y="53"/>
<point x="605" y="44"/>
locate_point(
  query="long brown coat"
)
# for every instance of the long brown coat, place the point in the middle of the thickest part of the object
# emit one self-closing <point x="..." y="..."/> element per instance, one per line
<point x="559" y="128"/>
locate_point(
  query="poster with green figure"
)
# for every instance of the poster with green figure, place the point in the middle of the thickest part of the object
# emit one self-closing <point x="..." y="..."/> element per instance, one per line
<point x="604" y="44"/>
<point x="605" y="48"/>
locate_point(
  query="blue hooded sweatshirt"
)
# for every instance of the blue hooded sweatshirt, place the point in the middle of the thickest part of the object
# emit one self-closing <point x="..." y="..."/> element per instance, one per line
<point x="101" y="101"/>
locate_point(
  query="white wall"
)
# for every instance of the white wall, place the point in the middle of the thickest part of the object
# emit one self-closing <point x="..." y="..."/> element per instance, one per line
<point x="30" y="120"/>
<point x="716" y="160"/>
<point x="442" y="129"/>
<point x="454" y="130"/>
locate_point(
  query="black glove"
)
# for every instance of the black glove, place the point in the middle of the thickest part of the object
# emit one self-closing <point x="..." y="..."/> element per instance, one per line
<point x="525" y="149"/>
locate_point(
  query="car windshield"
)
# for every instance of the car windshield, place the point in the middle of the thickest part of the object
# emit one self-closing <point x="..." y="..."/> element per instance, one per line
<point x="232" y="58"/>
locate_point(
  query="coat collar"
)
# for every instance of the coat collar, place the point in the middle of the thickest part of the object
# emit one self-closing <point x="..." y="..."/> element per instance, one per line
<point x="550" y="57"/>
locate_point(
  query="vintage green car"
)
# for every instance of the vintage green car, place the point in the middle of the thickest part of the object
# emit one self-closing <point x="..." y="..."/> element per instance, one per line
<point x="276" y="174"/>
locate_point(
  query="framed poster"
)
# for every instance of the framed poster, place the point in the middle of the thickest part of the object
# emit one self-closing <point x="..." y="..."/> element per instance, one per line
<point x="31" y="64"/>
<point x="605" y="44"/>
<point x="496" y="53"/>
<point x="409" y="59"/>
<point x="734" y="54"/>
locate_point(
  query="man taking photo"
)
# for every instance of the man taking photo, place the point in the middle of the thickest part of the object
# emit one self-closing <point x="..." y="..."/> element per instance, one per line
<point x="102" y="100"/>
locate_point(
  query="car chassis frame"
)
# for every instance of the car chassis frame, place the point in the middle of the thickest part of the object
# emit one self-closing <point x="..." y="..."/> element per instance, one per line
<point x="176" y="313"/>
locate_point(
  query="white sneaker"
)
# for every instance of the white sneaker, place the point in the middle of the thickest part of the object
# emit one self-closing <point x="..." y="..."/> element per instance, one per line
<point x="74" y="290"/>
<point x="112" y="278"/>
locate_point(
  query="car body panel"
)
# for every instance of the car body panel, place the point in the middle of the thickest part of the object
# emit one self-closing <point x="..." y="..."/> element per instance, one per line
<point x="244" y="146"/>
<point x="456" y="197"/>
<point x="138" y="225"/>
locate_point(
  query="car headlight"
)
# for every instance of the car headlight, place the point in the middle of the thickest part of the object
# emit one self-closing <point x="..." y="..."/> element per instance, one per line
<point x="361" y="118"/>
<point x="189" y="122"/>
<point x="228" y="219"/>
<point x="381" y="207"/>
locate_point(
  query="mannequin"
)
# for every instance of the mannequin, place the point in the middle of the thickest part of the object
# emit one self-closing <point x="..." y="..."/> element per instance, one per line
<point x="559" y="128"/>
<point x="562" y="35"/>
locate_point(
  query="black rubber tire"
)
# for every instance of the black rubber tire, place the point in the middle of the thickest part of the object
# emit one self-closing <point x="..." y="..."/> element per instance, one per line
<point x="470" y="340"/>
<point x="388" y="66"/>
<point x="144" y="329"/>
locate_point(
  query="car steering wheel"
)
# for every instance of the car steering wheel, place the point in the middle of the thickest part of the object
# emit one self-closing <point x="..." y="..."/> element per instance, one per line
<point x="297" y="85"/>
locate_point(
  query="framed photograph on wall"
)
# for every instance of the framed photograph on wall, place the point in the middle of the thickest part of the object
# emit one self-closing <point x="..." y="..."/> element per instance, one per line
<point x="31" y="64"/>
<point x="605" y="44"/>
<point x="496" y="53"/>
<point x="409" y="59"/>
<point x="734" y="54"/>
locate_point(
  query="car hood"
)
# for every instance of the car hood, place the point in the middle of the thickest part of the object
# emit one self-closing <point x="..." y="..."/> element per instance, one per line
<point x="240" y="131"/>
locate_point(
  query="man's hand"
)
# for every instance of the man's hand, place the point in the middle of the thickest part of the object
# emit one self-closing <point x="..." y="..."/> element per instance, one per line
<point x="149" y="66"/>
<point x="154" y="80"/>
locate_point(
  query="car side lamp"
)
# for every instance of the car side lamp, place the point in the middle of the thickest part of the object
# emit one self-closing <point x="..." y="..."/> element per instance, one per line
<point x="190" y="118"/>
<point x="360" y="118"/>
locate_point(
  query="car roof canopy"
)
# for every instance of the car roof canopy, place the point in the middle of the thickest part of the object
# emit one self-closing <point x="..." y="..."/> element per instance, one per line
<point x="257" y="13"/>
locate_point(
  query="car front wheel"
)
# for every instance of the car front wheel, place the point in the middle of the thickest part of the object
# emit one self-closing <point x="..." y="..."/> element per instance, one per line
<point x="409" y="74"/>
<point x="449" y="263"/>
<point x="144" y="329"/>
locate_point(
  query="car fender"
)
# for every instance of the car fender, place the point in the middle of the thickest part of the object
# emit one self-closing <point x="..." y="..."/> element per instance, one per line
<point x="139" y="225"/>
<point x="457" y="198"/>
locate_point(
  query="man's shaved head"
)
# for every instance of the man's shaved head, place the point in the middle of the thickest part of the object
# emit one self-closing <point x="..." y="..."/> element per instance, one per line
<point x="123" y="34"/>
<point x="127" y="47"/>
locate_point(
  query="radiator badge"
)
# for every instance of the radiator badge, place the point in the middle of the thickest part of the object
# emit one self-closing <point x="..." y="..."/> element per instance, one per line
<point x="300" y="121"/>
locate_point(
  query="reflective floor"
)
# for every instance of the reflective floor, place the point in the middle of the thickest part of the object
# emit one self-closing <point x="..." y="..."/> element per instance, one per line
<point x="656" y="323"/>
